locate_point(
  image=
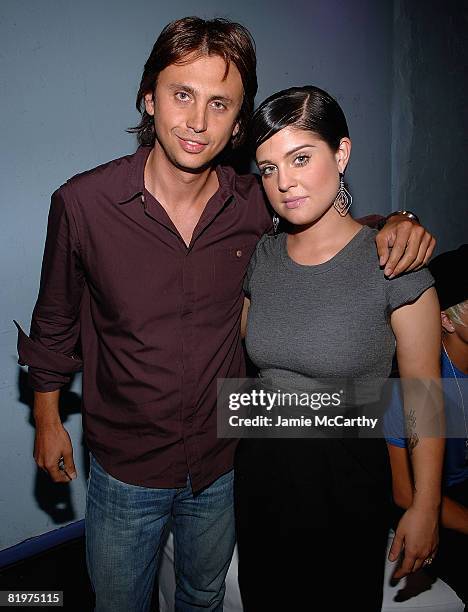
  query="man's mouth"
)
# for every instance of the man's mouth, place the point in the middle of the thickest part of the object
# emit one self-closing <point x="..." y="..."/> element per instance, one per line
<point x="192" y="146"/>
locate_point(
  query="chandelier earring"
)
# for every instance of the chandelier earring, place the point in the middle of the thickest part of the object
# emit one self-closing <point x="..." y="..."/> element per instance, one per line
<point x="343" y="198"/>
<point x="276" y="221"/>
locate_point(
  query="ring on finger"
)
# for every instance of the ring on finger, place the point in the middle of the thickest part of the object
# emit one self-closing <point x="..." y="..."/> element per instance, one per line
<point x="428" y="561"/>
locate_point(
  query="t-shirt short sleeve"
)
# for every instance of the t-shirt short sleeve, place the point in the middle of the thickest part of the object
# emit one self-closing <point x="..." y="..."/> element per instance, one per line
<point x="407" y="288"/>
<point x="252" y="265"/>
<point x="248" y="276"/>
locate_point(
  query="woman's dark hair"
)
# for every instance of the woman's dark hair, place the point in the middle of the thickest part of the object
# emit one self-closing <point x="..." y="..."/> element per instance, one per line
<point x="304" y="108"/>
<point x="192" y="36"/>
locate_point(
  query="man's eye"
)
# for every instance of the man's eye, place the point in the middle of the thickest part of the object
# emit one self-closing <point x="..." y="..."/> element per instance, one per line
<point x="182" y="96"/>
<point x="218" y="105"/>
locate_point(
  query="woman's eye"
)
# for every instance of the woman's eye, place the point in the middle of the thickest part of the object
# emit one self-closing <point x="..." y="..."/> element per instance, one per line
<point x="267" y="170"/>
<point x="301" y="160"/>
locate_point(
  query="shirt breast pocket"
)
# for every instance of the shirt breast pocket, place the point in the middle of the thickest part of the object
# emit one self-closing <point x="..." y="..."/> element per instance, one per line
<point x="229" y="266"/>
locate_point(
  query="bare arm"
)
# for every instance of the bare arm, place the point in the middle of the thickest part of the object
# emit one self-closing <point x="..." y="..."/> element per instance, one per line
<point x="453" y="515"/>
<point x="245" y="313"/>
<point x="402" y="477"/>
<point x="417" y="330"/>
<point x="52" y="441"/>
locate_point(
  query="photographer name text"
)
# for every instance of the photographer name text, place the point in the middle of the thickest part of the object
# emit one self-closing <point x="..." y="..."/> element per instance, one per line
<point x="302" y="421"/>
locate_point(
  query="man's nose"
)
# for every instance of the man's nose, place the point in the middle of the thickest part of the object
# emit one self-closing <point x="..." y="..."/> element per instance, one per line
<point x="196" y="120"/>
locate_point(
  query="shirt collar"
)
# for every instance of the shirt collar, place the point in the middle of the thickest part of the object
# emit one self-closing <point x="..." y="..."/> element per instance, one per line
<point x="135" y="184"/>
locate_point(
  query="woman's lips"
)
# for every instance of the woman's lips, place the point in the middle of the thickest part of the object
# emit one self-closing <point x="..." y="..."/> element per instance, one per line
<point x="295" y="202"/>
<point x="191" y="146"/>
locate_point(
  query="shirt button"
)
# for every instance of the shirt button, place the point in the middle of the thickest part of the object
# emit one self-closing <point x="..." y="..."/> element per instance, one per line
<point x="239" y="253"/>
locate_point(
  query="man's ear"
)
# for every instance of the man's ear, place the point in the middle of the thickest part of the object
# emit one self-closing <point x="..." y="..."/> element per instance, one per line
<point x="235" y="130"/>
<point x="149" y="103"/>
<point x="446" y="322"/>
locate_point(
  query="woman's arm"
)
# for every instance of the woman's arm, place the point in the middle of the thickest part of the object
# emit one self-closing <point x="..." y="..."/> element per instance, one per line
<point x="453" y="515"/>
<point x="417" y="330"/>
<point x="245" y="312"/>
<point x="402" y="478"/>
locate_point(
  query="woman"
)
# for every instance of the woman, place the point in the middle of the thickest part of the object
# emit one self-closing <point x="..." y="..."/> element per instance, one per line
<point x="313" y="515"/>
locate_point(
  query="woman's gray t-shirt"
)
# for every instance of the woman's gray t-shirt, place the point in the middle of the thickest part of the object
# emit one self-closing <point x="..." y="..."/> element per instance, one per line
<point x="327" y="320"/>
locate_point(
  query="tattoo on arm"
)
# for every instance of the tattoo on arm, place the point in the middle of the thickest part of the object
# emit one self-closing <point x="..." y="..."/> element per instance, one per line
<point x="412" y="436"/>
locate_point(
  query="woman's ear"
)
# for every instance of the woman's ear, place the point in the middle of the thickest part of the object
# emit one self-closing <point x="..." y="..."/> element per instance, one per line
<point x="342" y="154"/>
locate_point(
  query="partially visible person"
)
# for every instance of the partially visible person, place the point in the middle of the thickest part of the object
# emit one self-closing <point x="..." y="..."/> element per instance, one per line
<point x="450" y="271"/>
<point x="313" y="514"/>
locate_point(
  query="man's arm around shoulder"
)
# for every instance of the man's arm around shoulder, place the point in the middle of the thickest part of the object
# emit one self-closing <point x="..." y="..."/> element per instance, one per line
<point x="402" y="243"/>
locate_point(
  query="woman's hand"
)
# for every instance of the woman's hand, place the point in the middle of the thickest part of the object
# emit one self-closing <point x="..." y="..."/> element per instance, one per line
<point x="417" y="537"/>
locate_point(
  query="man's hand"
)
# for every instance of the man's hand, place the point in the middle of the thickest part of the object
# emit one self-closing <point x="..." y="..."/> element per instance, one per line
<point x="403" y="245"/>
<point x="53" y="450"/>
<point x="52" y="443"/>
<point x="416" y="538"/>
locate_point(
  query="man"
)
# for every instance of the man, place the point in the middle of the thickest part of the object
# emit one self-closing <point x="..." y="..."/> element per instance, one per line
<point x="143" y="266"/>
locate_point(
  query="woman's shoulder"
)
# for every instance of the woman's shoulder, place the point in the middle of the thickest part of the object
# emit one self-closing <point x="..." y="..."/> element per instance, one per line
<point x="401" y="289"/>
<point x="265" y="256"/>
<point x="269" y="245"/>
<point x="368" y="238"/>
<point x="361" y="252"/>
<point x="364" y="263"/>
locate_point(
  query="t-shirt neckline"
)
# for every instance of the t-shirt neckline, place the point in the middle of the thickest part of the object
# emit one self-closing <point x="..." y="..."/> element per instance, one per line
<point x="341" y="256"/>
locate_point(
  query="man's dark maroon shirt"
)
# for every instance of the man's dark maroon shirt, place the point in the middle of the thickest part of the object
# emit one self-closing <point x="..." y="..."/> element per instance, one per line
<point x="152" y="323"/>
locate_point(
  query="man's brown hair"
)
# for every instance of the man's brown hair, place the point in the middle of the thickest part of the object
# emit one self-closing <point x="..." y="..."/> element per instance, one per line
<point x="197" y="37"/>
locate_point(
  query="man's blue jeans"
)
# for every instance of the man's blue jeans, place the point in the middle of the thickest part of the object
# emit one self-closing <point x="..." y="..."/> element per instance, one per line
<point x="125" y="526"/>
